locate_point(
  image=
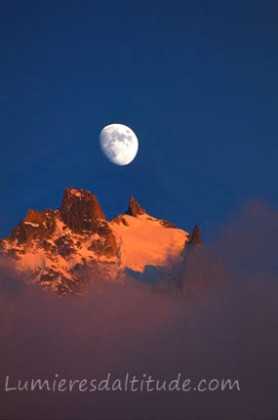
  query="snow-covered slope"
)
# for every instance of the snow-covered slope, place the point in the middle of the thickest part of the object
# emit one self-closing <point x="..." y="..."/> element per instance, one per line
<point x="144" y="240"/>
<point x="58" y="247"/>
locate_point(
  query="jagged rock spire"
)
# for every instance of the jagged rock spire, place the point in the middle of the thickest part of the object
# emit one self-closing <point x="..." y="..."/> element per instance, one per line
<point x="80" y="209"/>
<point x="196" y="237"/>
<point x="134" y="208"/>
<point x="35" y="226"/>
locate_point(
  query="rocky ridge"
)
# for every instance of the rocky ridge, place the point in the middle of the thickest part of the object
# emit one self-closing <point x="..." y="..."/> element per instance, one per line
<point x="57" y="247"/>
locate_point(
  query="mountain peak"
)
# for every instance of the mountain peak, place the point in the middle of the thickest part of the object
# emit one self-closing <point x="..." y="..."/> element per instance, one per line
<point x="196" y="237"/>
<point x="134" y="208"/>
<point x="71" y="194"/>
<point x="58" y="246"/>
<point x="80" y="209"/>
<point x="35" y="226"/>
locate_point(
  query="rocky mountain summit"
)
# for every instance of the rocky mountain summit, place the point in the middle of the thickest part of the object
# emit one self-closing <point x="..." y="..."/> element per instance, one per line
<point x="58" y="248"/>
<point x="134" y="209"/>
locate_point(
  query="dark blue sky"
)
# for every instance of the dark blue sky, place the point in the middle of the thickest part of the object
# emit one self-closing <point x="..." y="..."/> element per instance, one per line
<point x="196" y="81"/>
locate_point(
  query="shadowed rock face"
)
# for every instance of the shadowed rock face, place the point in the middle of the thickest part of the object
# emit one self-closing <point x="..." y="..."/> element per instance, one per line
<point x="80" y="210"/>
<point x="196" y="237"/>
<point x="120" y="219"/>
<point x="134" y="209"/>
<point x="36" y="226"/>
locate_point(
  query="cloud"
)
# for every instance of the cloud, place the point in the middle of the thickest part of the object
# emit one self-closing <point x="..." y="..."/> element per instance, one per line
<point x="231" y="332"/>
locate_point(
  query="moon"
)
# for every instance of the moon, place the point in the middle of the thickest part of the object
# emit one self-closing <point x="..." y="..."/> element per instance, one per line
<point x="119" y="144"/>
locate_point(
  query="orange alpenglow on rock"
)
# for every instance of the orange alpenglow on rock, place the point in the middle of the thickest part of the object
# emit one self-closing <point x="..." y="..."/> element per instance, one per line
<point x="56" y="247"/>
<point x="134" y="209"/>
<point x="80" y="209"/>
